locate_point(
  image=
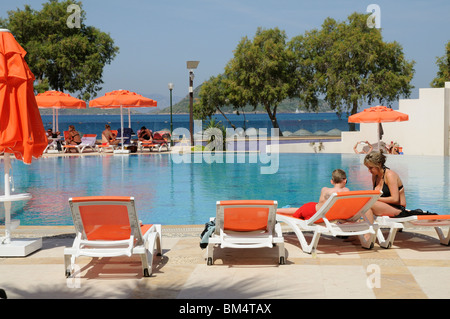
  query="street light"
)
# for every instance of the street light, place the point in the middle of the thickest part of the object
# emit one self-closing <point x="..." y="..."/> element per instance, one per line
<point x="171" y="123"/>
<point x="191" y="65"/>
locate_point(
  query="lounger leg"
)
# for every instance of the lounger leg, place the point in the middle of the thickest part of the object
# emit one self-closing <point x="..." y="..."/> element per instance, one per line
<point x="281" y="254"/>
<point x="311" y="247"/>
<point x="67" y="265"/>
<point x="367" y="244"/>
<point x="154" y="239"/>
<point x="69" y="261"/>
<point x="389" y="241"/>
<point x="209" y="254"/>
<point x="445" y="240"/>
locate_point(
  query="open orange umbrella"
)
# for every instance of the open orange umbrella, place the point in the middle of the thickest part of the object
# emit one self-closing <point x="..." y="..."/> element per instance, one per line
<point x="378" y="114"/>
<point x="21" y="130"/>
<point x="122" y="99"/>
<point x="58" y="100"/>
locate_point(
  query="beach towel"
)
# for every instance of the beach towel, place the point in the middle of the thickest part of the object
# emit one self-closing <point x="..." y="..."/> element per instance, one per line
<point x="210" y="227"/>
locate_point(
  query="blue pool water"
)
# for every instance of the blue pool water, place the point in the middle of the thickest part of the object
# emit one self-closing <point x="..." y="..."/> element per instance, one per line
<point x="170" y="192"/>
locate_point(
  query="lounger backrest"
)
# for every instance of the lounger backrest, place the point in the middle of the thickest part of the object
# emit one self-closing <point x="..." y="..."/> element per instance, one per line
<point x="345" y="205"/>
<point x="89" y="139"/>
<point x="126" y="134"/>
<point x="66" y="135"/>
<point x="105" y="217"/>
<point x="246" y="215"/>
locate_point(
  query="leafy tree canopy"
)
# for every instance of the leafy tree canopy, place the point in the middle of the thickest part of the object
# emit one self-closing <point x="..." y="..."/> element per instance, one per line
<point x="343" y="63"/>
<point x="63" y="53"/>
<point x="443" y="74"/>
<point x="348" y="63"/>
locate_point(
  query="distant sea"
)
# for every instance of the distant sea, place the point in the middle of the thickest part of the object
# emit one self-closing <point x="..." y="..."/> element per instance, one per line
<point x="315" y="123"/>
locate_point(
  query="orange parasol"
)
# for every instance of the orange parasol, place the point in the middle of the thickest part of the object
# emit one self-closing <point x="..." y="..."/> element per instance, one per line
<point x="378" y="114"/>
<point x="58" y="100"/>
<point x="21" y="130"/>
<point x="121" y="99"/>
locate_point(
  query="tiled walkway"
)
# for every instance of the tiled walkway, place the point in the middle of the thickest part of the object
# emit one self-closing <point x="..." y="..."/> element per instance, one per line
<point x="417" y="266"/>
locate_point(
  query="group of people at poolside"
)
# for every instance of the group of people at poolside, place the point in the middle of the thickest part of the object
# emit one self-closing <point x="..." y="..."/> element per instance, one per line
<point x="108" y="136"/>
<point x="367" y="148"/>
<point x="391" y="203"/>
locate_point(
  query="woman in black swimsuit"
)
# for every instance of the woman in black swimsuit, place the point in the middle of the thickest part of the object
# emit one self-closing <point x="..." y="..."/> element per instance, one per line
<point x="393" y="200"/>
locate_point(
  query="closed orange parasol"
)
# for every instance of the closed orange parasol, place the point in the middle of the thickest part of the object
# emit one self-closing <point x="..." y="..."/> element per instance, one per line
<point x="122" y="99"/>
<point x="58" y="100"/>
<point x="21" y="130"/>
<point x="378" y="114"/>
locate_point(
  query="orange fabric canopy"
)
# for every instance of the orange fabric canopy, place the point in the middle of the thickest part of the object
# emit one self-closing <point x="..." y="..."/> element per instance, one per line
<point x="378" y="114"/>
<point x="122" y="98"/>
<point x="59" y="100"/>
<point x="21" y="130"/>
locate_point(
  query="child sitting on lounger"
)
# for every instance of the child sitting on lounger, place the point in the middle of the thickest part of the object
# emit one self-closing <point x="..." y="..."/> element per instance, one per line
<point x="306" y="211"/>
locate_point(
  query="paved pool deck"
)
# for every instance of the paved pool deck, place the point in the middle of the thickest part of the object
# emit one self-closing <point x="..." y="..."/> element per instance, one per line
<point x="416" y="267"/>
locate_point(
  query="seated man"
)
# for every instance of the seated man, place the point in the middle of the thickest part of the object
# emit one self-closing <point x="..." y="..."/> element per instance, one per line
<point x="108" y="136"/>
<point x="306" y="211"/>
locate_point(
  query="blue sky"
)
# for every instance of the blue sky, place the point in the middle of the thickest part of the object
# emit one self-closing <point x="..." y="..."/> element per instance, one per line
<point x="156" y="38"/>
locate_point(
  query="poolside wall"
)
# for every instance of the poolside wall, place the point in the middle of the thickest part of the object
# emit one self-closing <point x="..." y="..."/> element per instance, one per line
<point x="427" y="132"/>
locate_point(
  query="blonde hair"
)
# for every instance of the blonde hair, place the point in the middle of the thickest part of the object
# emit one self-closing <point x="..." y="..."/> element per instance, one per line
<point x="375" y="158"/>
<point x="338" y="175"/>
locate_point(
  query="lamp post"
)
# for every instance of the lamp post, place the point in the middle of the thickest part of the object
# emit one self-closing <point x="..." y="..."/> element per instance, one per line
<point x="171" y="123"/>
<point x="191" y="65"/>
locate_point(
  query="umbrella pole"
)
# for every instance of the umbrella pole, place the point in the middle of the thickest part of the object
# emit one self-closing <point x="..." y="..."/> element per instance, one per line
<point x="129" y="118"/>
<point x="121" y="126"/>
<point x="53" y="117"/>
<point x="7" y="204"/>
<point x="378" y="135"/>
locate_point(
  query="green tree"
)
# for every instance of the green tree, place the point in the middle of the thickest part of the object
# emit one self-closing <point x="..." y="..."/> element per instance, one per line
<point x="259" y="74"/>
<point x="213" y="96"/>
<point x="443" y="74"/>
<point x="348" y="63"/>
<point x="61" y="55"/>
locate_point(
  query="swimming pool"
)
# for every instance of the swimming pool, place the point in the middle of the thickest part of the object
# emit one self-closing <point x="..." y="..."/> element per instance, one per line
<point x="174" y="193"/>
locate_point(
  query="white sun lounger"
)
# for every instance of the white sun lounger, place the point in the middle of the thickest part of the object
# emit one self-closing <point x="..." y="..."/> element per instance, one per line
<point x="87" y="141"/>
<point x="246" y="224"/>
<point x="107" y="226"/>
<point x="411" y="222"/>
<point x="339" y="216"/>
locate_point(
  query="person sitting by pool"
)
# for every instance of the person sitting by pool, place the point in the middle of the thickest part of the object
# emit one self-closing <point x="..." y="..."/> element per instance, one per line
<point x="145" y="134"/>
<point x="306" y="211"/>
<point x="108" y="136"/>
<point x="52" y="134"/>
<point x="364" y="150"/>
<point x="393" y="201"/>
<point x="74" y="137"/>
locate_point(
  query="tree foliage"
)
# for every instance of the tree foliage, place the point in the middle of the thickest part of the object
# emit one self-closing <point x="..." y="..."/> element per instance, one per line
<point x="260" y="72"/>
<point x="347" y="64"/>
<point x="61" y="57"/>
<point x="343" y="63"/>
<point x="443" y="74"/>
<point x="214" y="94"/>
